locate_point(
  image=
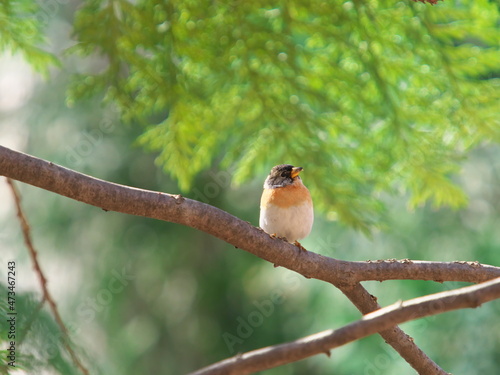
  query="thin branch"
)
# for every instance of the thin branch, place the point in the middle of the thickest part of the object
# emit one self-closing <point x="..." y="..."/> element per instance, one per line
<point x="177" y="209"/>
<point x="380" y="320"/>
<point x="406" y="269"/>
<point x="432" y="2"/>
<point x="46" y="296"/>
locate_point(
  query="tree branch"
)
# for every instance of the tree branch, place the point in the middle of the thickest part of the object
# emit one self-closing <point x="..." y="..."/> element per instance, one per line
<point x="380" y="320"/>
<point x="395" y="336"/>
<point x="46" y="296"/>
<point x="177" y="209"/>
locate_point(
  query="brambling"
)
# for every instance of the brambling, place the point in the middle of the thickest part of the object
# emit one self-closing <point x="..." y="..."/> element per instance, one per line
<point x="286" y="208"/>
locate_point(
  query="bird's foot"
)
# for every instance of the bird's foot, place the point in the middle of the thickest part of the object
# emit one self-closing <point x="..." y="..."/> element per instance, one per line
<point x="274" y="236"/>
<point x="297" y="243"/>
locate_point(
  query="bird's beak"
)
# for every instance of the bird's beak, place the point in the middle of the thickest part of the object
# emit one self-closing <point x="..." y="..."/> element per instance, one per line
<point x="296" y="171"/>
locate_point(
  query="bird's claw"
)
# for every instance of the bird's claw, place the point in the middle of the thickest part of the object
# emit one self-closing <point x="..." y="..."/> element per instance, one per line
<point x="297" y="243"/>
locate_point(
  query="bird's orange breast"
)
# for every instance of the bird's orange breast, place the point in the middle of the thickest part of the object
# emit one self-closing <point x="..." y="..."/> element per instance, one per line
<point x="291" y="195"/>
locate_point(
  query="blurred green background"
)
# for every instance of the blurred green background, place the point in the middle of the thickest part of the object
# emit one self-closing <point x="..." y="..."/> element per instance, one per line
<point x="391" y="108"/>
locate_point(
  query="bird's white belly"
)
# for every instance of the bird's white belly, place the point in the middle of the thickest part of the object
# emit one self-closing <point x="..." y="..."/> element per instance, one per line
<point x="293" y="223"/>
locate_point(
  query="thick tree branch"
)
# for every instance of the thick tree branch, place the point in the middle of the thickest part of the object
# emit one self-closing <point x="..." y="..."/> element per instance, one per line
<point x="174" y="208"/>
<point x="218" y="223"/>
<point x="380" y="320"/>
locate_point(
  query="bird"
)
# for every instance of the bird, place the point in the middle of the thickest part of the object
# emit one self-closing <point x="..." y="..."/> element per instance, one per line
<point x="286" y="207"/>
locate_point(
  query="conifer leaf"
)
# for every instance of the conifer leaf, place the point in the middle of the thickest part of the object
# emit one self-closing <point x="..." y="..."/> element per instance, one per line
<point x="371" y="98"/>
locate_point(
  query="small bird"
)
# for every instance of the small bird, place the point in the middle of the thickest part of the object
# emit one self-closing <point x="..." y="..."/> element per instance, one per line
<point x="286" y="208"/>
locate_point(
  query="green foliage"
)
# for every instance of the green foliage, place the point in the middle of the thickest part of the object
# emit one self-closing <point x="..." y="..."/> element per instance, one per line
<point x="189" y="288"/>
<point x="38" y="344"/>
<point x="21" y="31"/>
<point x="368" y="96"/>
